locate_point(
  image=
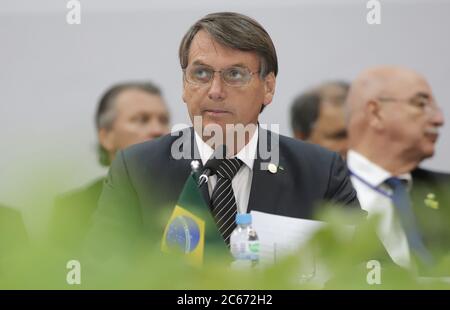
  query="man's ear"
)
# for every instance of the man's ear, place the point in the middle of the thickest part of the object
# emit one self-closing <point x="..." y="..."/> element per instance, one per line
<point x="269" y="88"/>
<point x="373" y="111"/>
<point x="106" y="139"/>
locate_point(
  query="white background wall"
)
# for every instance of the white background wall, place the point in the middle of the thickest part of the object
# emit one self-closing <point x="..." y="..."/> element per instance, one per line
<point x="52" y="73"/>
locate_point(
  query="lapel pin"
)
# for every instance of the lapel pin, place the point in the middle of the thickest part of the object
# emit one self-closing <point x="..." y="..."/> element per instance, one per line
<point x="195" y="166"/>
<point x="431" y="201"/>
<point x="272" y="168"/>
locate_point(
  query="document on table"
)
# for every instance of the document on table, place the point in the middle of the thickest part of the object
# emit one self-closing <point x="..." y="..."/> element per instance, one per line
<point x="281" y="235"/>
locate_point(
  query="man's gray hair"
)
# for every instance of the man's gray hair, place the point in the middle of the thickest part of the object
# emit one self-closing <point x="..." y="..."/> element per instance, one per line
<point x="106" y="112"/>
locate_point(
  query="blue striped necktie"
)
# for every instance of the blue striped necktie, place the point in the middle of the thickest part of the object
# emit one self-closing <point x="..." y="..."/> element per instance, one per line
<point x="402" y="203"/>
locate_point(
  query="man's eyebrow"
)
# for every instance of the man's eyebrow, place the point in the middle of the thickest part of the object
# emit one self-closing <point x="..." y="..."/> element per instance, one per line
<point x="341" y="133"/>
<point x="422" y="95"/>
<point x="239" y="64"/>
<point x="199" y="62"/>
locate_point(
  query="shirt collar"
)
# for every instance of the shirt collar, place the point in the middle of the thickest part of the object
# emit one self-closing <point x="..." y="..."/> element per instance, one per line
<point x="247" y="154"/>
<point x="371" y="172"/>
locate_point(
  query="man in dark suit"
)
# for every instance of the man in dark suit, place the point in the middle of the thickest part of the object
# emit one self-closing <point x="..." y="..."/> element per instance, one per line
<point x="394" y="125"/>
<point x="127" y="113"/>
<point x="229" y="68"/>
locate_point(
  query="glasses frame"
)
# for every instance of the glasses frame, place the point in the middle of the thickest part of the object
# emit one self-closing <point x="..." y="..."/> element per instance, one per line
<point x="221" y="72"/>
<point x="430" y="108"/>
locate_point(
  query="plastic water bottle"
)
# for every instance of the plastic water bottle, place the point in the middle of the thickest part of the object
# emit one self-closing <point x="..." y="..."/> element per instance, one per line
<point x="244" y="242"/>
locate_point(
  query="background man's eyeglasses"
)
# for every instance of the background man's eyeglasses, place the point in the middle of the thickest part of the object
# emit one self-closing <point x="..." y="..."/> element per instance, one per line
<point x="425" y="104"/>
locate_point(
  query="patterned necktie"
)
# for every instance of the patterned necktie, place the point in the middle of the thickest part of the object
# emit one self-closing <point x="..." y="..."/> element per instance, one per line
<point x="223" y="202"/>
<point x="401" y="201"/>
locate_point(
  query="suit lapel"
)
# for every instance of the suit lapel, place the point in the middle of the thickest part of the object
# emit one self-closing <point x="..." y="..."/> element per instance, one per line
<point x="267" y="186"/>
<point x="189" y="148"/>
<point x="205" y="193"/>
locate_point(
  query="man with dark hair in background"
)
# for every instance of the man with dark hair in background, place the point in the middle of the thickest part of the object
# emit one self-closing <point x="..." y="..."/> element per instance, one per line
<point x="318" y="116"/>
<point x="127" y="113"/>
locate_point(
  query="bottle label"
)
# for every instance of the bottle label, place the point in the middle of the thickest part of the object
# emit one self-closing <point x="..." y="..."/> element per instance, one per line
<point x="253" y="250"/>
<point x="253" y="246"/>
<point x="248" y="250"/>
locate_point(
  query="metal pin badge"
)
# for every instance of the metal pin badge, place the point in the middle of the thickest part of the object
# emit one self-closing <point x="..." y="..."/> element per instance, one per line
<point x="195" y="166"/>
<point x="431" y="201"/>
<point x="272" y="168"/>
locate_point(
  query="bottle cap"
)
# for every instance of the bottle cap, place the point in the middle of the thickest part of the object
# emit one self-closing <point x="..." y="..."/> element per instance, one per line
<point x="243" y="218"/>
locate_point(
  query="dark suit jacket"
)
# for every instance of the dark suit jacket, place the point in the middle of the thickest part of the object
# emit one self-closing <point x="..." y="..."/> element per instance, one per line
<point x="72" y="214"/>
<point x="433" y="224"/>
<point x="429" y="186"/>
<point x="431" y="178"/>
<point x="146" y="178"/>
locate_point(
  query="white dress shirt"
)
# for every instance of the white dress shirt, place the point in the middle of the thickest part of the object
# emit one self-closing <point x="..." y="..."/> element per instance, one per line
<point x="242" y="181"/>
<point x="389" y="231"/>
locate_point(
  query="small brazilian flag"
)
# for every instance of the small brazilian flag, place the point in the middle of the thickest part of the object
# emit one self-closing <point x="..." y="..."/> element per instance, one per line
<point x="191" y="229"/>
<point x="185" y="232"/>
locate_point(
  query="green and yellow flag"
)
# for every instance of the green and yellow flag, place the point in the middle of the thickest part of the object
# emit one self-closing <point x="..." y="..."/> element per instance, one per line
<point x="191" y="229"/>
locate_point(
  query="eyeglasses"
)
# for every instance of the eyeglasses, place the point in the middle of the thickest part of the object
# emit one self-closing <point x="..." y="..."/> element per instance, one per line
<point x="423" y="103"/>
<point x="233" y="76"/>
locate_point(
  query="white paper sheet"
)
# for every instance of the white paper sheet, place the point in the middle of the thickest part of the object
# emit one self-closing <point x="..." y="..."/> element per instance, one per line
<point x="281" y="235"/>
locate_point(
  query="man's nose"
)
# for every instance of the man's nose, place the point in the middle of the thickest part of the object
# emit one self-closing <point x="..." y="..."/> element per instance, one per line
<point x="216" y="90"/>
<point x="438" y="118"/>
<point x="156" y="130"/>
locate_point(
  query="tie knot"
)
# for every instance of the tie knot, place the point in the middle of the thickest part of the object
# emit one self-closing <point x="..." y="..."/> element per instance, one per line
<point x="229" y="167"/>
<point x="395" y="183"/>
